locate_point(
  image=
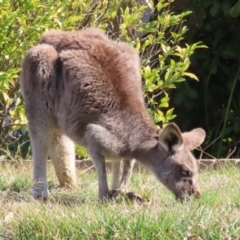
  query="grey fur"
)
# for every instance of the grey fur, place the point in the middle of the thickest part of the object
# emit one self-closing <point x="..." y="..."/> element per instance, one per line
<point x="84" y="87"/>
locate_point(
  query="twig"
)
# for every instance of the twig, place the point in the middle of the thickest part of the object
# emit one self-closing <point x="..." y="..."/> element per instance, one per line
<point x="101" y="16"/>
<point x="210" y="144"/>
<point x="209" y="155"/>
<point x="231" y="153"/>
<point x="88" y="14"/>
<point x="13" y="124"/>
<point x="201" y="150"/>
<point x="83" y="171"/>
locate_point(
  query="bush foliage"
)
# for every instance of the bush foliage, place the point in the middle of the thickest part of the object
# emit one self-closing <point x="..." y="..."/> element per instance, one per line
<point x="214" y="102"/>
<point x="165" y="59"/>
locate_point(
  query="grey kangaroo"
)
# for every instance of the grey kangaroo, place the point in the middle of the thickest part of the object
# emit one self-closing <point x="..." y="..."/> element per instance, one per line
<point x="82" y="87"/>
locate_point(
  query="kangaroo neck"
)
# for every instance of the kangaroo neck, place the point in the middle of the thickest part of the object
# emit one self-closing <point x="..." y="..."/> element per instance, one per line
<point x="136" y="131"/>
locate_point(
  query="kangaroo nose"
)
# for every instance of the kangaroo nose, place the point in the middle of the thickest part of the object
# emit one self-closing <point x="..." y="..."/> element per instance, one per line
<point x="198" y="194"/>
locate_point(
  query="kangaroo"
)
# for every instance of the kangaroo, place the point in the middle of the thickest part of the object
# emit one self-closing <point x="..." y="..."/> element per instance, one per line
<point x="82" y="87"/>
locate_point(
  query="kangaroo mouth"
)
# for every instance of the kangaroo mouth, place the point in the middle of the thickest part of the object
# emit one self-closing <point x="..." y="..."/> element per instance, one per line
<point x="184" y="196"/>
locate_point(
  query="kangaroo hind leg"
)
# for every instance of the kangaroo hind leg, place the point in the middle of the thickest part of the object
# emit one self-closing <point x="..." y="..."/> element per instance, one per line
<point x="39" y="141"/>
<point x="37" y="78"/>
<point x="62" y="154"/>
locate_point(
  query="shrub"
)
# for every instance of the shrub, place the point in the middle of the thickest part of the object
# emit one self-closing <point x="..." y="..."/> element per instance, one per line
<point x="165" y="60"/>
<point x="214" y="103"/>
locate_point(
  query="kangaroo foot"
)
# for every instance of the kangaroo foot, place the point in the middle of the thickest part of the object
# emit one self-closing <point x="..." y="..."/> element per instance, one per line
<point x="134" y="197"/>
<point x="129" y="196"/>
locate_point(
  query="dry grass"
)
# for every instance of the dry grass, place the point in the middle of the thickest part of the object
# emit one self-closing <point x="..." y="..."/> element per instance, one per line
<point x="78" y="214"/>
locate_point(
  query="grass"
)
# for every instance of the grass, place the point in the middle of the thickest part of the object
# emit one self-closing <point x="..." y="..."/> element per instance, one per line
<point x="77" y="214"/>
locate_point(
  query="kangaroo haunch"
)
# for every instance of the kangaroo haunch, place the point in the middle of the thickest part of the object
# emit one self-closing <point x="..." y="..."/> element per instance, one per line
<point x="81" y="87"/>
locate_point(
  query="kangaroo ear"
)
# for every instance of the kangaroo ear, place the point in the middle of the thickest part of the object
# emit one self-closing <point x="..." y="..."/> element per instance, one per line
<point x="171" y="138"/>
<point x="194" y="138"/>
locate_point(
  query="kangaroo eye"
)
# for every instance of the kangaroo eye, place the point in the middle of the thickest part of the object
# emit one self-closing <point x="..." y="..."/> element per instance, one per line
<point x="185" y="173"/>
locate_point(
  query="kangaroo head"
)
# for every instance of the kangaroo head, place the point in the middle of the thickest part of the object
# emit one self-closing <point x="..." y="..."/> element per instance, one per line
<point x="179" y="167"/>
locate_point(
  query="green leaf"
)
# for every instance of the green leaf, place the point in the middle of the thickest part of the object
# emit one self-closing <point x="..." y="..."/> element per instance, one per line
<point x="170" y="117"/>
<point x="164" y="102"/>
<point x="235" y="10"/>
<point x="215" y="9"/>
<point x="226" y="7"/>
<point x="6" y="98"/>
<point x="150" y="27"/>
<point x="179" y="79"/>
<point x="191" y="92"/>
<point x="178" y="100"/>
<point x="226" y="131"/>
<point x="228" y="53"/>
<point x="164" y="48"/>
<point x="236" y="126"/>
<point x="213" y="66"/>
<point x="191" y="75"/>
<point x="169" y="112"/>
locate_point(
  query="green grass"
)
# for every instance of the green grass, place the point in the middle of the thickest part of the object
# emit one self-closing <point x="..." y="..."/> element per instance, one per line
<point x="77" y="214"/>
